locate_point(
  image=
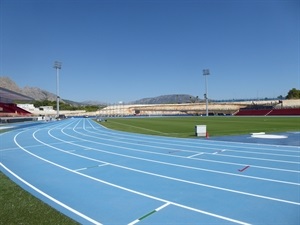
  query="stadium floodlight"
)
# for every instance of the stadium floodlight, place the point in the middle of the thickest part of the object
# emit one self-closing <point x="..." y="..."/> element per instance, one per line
<point x="57" y="66"/>
<point x="206" y="73"/>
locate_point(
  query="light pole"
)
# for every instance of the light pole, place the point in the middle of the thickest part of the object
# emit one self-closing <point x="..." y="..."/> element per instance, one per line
<point x="206" y="73"/>
<point x="57" y="66"/>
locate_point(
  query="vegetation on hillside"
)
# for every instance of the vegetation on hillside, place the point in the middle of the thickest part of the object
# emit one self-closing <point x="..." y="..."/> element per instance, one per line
<point x="293" y="94"/>
<point x="67" y="106"/>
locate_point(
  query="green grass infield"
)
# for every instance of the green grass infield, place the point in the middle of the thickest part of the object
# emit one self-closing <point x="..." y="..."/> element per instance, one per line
<point x="20" y="207"/>
<point x="184" y="127"/>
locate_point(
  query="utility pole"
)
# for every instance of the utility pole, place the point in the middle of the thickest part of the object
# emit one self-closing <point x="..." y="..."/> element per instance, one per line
<point x="206" y="73"/>
<point x="57" y="66"/>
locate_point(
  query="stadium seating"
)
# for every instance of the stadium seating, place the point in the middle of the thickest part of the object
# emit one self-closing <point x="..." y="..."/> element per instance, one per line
<point x="252" y="112"/>
<point x="285" y="112"/>
<point x="268" y="112"/>
<point x="7" y="109"/>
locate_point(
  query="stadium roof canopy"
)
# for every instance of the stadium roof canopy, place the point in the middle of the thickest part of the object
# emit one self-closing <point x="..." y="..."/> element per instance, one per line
<point x="8" y="95"/>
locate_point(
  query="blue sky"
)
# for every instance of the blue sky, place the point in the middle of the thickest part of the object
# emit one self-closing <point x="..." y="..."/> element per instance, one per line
<point x="124" y="50"/>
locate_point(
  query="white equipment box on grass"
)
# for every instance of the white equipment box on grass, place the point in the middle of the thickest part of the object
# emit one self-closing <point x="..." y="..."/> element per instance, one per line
<point x="200" y="130"/>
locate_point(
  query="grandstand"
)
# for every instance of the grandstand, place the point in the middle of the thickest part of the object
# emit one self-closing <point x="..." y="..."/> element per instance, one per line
<point x="271" y="109"/>
<point x="269" y="112"/>
<point x="9" y="111"/>
<point x="259" y="108"/>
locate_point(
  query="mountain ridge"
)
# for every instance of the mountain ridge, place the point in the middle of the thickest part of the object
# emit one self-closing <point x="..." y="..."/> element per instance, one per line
<point x="168" y="99"/>
<point x="39" y="94"/>
<point x="34" y="92"/>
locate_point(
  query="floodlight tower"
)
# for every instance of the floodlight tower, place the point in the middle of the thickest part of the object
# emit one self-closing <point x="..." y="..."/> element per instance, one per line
<point x="57" y="66"/>
<point x="206" y="73"/>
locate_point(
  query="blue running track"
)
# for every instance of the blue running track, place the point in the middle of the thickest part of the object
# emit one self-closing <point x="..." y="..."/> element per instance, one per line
<point x="100" y="176"/>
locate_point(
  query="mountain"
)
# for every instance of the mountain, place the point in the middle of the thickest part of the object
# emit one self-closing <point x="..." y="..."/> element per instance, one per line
<point x="6" y="82"/>
<point x="33" y="92"/>
<point x="168" y="99"/>
<point x="40" y="95"/>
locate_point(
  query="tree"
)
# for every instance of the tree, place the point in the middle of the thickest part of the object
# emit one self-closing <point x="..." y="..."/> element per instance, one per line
<point x="293" y="94"/>
<point x="280" y="97"/>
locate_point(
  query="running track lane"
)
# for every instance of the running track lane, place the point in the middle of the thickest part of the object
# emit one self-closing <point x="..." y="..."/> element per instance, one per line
<point x="100" y="176"/>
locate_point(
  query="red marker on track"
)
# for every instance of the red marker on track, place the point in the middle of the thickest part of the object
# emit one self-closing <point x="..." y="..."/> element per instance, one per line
<point x="246" y="167"/>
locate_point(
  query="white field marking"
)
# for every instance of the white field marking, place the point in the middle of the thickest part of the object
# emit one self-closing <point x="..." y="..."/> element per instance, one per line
<point x="85" y="168"/>
<point x="2" y="127"/>
<point x="270" y="136"/>
<point x="223" y="150"/>
<point x="155" y="131"/>
<point x="109" y="132"/>
<point x="191" y="156"/>
<point x="134" y="222"/>
<point x="258" y="133"/>
<point x="9" y="149"/>
<point x="163" y="206"/>
<point x="104" y="164"/>
<point x="165" y="163"/>
<point x="181" y="180"/>
<point x="130" y="190"/>
<point x="214" y="161"/>
<point x="159" y="147"/>
<point x="155" y="210"/>
<point x="51" y="198"/>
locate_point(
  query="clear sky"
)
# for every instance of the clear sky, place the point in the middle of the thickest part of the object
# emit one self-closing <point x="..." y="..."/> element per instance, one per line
<point x="125" y="50"/>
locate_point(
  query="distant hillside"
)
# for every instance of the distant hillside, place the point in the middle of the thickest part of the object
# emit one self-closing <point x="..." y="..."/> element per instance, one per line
<point x="36" y="93"/>
<point x="39" y="95"/>
<point x="168" y="99"/>
<point x="33" y="92"/>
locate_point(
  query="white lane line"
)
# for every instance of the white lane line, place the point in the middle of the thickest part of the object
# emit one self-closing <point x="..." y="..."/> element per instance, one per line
<point x="51" y="198"/>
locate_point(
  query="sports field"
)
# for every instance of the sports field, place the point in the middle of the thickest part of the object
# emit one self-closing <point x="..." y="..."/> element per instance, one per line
<point x="216" y="126"/>
<point x="50" y="159"/>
